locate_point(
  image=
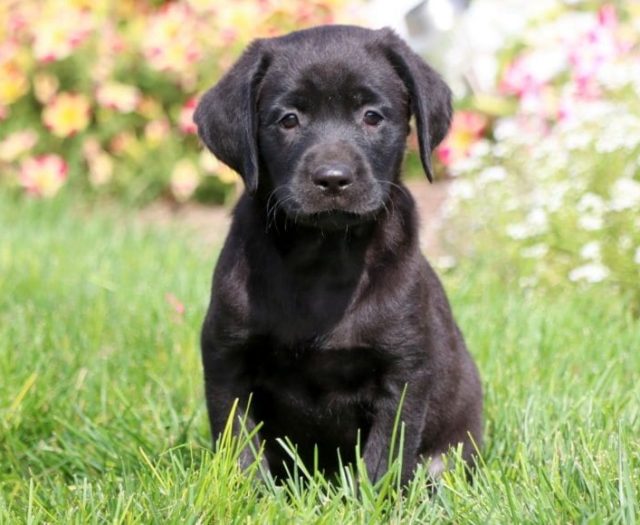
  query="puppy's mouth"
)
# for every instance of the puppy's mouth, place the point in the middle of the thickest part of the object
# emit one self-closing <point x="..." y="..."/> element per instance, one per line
<point x="335" y="219"/>
<point x="332" y="214"/>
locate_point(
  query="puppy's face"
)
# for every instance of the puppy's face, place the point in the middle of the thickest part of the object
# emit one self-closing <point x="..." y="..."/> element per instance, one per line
<point x="316" y="121"/>
<point x="331" y="134"/>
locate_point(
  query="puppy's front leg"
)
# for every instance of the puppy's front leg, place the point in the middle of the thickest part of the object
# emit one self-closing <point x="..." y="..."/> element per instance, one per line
<point x="222" y="389"/>
<point x="377" y="449"/>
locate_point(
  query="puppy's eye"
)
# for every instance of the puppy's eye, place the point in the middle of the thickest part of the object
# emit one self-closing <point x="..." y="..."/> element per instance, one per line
<point x="371" y="118"/>
<point x="289" y="121"/>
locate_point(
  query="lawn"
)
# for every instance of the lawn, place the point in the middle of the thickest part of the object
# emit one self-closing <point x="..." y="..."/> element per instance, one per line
<point x="102" y="416"/>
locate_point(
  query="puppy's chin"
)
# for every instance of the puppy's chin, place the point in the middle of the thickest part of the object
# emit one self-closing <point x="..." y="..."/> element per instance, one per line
<point x="333" y="214"/>
<point x="335" y="219"/>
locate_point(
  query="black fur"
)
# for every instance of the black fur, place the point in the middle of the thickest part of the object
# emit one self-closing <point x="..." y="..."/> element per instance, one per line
<point x="323" y="308"/>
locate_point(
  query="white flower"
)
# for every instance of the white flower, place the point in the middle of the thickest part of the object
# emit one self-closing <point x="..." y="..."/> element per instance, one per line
<point x="464" y="166"/>
<point x="121" y="97"/>
<point x="501" y="151"/>
<point x="537" y="219"/>
<point x="492" y="174"/>
<point x="528" y="282"/>
<point x="559" y="29"/>
<point x="462" y="189"/>
<point x="534" y="224"/>
<point x="553" y="196"/>
<point x="480" y="148"/>
<point x="544" y="64"/>
<point x="622" y="131"/>
<point x="579" y="140"/>
<point x="625" y="194"/>
<point x="445" y="262"/>
<point x="17" y="143"/>
<point x="591" y="250"/>
<point x="536" y="251"/>
<point x="506" y="128"/>
<point x="591" y="273"/>
<point x="591" y="202"/>
<point x="184" y="179"/>
<point x="612" y="142"/>
<point x="554" y="161"/>
<point x="591" y="208"/>
<point x="594" y="112"/>
<point x="590" y="223"/>
<point x="625" y="242"/>
<point x="615" y="75"/>
<point x="518" y="231"/>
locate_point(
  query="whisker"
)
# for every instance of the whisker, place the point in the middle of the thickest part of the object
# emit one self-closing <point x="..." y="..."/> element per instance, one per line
<point x="403" y="189"/>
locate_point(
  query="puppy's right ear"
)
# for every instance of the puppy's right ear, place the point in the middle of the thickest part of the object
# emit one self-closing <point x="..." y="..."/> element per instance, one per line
<point x="227" y="115"/>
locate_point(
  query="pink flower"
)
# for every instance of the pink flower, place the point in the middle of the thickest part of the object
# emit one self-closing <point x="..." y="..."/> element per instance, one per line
<point x="55" y="37"/>
<point x="44" y="175"/>
<point x="185" y="178"/>
<point x="237" y="22"/>
<point x="185" y="120"/>
<point x="170" y="42"/>
<point x="45" y="86"/>
<point x="124" y="143"/>
<point x="530" y="72"/>
<point x="156" y="131"/>
<point x="66" y="114"/>
<point x="16" y="144"/>
<point x="593" y="49"/>
<point x="100" y="169"/>
<point x="607" y="16"/>
<point x="99" y="162"/>
<point x="176" y="305"/>
<point x="466" y="128"/>
<point x="13" y="79"/>
<point x="121" y="97"/>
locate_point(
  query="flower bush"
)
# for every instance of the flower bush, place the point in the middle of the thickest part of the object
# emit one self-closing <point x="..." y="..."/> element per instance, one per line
<point x="555" y="183"/>
<point x="100" y="95"/>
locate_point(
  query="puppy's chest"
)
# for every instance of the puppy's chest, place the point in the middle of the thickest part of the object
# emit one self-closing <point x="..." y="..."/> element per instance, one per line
<point x="308" y="372"/>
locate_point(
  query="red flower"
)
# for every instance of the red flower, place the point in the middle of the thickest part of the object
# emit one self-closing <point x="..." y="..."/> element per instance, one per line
<point x="466" y="128"/>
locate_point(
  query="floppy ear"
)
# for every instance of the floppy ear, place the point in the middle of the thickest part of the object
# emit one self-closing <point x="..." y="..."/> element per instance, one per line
<point x="227" y="115"/>
<point x="430" y="97"/>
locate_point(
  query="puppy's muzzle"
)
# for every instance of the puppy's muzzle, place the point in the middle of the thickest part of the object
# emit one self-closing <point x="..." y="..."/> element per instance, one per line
<point x="333" y="186"/>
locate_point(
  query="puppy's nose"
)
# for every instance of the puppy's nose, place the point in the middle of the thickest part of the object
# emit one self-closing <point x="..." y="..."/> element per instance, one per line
<point x="333" y="178"/>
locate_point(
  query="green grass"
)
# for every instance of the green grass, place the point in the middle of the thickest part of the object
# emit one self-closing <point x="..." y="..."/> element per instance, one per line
<point x="101" y="406"/>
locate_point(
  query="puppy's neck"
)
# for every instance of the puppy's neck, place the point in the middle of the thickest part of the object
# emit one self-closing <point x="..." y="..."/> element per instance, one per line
<point x="392" y="231"/>
<point x="306" y="248"/>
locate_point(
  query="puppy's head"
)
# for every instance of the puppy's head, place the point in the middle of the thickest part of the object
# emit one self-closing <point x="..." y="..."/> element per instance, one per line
<point x="316" y="121"/>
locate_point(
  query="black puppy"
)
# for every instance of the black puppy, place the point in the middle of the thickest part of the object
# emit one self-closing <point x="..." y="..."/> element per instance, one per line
<point x="323" y="308"/>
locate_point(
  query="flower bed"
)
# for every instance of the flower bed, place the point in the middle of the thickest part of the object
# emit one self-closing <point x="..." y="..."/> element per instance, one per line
<point x="100" y="94"/>
<point x="554" y="184"/>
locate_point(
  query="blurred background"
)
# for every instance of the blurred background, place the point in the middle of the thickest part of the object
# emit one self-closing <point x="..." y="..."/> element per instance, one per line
<point x="112" y="215"/>
<point x="97" y="97"/>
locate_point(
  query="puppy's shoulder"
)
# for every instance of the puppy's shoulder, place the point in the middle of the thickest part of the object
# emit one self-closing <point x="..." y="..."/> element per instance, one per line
<point x="233" y="265"/>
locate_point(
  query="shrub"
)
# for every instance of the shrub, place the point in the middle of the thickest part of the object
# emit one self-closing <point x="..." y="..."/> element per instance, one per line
<point x="109" y="88"/>
<point x="555" y="185"/>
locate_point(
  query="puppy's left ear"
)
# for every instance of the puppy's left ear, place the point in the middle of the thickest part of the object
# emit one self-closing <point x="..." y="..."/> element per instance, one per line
<point x="430" y="97"/>
<point x="227" y="114"/>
